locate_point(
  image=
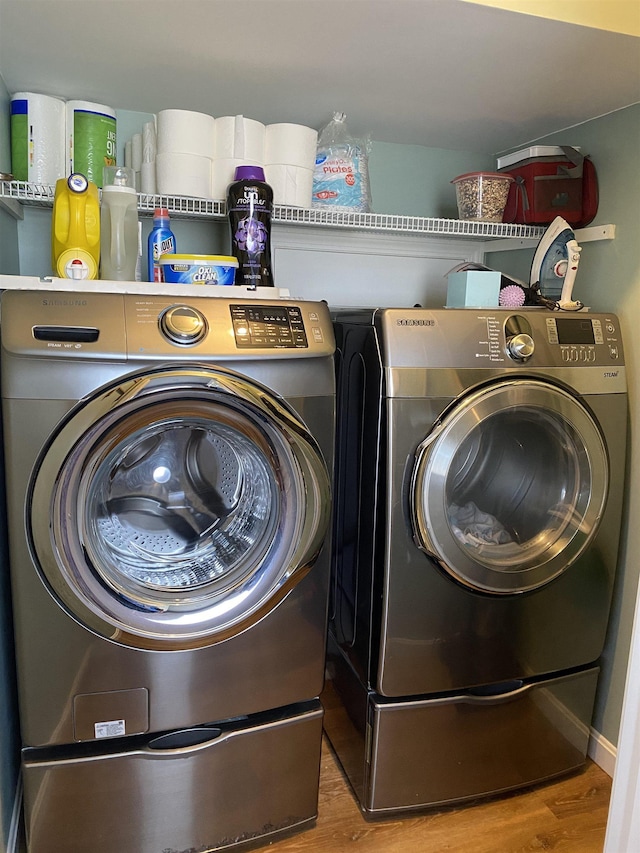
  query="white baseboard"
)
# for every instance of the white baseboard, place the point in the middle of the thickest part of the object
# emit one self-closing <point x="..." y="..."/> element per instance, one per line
<point x="602" y="751"/>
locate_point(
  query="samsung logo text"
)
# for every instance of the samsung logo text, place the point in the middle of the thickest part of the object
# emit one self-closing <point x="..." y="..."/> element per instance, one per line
<point x="64" y="302"/>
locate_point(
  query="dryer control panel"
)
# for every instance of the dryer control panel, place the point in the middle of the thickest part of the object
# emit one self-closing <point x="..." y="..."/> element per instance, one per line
<point x="580" y="338"/>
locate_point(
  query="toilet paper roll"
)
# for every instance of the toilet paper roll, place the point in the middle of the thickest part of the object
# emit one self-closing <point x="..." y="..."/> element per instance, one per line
<point x="291" y="185"/>
<point x="241" y="138"/>
<point x="149" y="142"/>
<point x="183" y="174"/>
<point x="185" y="132"/>
<point x="290" y="144"/>
<point x="91" y="138"/>
<point x="38" y="146"/>
<point x="148" y="178"/>
<point x="136" y="152"/>
<point x="223" y="173"/>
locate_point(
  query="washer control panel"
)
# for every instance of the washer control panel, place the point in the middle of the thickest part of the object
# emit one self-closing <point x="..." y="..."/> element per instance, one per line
<point x="268" y="326"/>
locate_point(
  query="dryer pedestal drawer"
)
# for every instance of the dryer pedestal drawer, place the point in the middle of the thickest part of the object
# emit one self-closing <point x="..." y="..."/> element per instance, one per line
<point x="208" y="788"/>
<point x="438" y="751"/>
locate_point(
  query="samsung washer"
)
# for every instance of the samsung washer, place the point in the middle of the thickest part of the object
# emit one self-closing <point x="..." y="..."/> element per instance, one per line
<point x="168" y="468"/>
<point x="479" y="481"/>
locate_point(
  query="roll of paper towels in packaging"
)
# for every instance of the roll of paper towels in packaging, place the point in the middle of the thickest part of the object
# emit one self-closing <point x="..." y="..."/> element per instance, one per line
<point x="185" y="132"/>
<point x="292" y="185"/>
<point x="237" y="137"/>
<point x="223" y="173"/>
<point x="91" y="138"/>
<point x="183" y="174"/>
<point x="290" y="145"/>
<point x="38" y="138"/>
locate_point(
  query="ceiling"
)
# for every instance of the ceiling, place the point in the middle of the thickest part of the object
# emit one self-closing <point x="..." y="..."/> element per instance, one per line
<point x="439" y="73"/>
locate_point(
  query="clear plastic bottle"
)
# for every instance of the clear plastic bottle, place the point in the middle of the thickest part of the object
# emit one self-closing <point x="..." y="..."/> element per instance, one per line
<point x="161" y="242"/>
<point x="249" y="206"/>
<point x="118" y="225"/>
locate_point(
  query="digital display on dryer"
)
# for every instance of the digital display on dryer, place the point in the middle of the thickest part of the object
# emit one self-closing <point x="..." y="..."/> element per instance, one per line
<point x="268" y="326"/>
<point x="572" y="331"/>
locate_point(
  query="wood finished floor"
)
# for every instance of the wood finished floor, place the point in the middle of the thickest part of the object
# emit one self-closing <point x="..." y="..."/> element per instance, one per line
<point x="568" y="816"/>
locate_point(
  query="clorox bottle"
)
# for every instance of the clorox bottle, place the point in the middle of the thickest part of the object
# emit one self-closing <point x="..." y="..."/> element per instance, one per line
<point x="75" y="228"/>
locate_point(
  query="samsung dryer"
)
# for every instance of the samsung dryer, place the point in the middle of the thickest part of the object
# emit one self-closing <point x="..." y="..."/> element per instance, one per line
<point x="479" y="479"/>
<point x="168" y="488"/>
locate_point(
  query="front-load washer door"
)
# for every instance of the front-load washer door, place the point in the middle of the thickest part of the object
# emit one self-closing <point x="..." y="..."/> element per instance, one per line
<point x="510" y="486"/>
<point x="177" y="507"/>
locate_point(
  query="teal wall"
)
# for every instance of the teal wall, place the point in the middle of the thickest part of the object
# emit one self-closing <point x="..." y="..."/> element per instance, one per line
<point x="608" y="279"/>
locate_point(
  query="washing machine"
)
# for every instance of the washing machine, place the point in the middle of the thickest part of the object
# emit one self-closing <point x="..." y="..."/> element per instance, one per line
<point x="168" y="473"/>
<point x="479" y="482"/>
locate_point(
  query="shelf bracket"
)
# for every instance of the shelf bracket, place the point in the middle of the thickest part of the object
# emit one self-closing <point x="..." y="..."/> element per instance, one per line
<point x="583" y="235"/>
<point x="12" y="206"/>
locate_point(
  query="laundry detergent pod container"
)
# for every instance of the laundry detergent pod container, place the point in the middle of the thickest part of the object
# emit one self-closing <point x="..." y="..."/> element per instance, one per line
<point x="482" y="196"/>
<point x="198" y="269"/>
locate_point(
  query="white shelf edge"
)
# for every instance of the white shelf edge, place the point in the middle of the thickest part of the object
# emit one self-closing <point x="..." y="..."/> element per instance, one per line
<point x="141" y="288"/>
<point x="491" y="236"/>
<point x="183" y="207"/>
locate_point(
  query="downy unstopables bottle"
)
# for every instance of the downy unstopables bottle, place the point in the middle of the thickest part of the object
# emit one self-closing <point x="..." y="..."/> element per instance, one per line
<point x="161" y="241"/>
<point x="249" y="206"/>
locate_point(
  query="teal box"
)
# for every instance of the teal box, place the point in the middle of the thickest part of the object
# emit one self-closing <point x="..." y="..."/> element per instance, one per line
<point x="473" y="289"/>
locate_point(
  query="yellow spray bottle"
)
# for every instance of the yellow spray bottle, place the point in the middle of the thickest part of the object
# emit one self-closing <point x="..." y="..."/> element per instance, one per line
<point x="75" y="230"/>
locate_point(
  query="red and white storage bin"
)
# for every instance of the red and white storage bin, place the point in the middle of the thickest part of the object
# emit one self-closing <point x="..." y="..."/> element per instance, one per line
<point x="550" y="181"/>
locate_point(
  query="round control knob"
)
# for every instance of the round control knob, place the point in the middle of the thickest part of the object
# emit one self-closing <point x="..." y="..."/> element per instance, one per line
<point x="181" y="324"/>
<point x="521" y="346"/>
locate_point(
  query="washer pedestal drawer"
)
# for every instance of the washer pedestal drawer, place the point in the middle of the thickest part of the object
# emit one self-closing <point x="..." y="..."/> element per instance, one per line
<point x="205" y="788"/>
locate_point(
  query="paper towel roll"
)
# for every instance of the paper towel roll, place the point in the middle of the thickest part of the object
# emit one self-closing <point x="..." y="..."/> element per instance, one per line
<point x="91" y="138"/>
<point x="38" y="146"/>
<point x="241" y="138"/>
<point x="183" y="174"/>
<point x="148" y="178"/>
<point x="223" y="172"/>
<point x="291" y="185"/>
<point x="185" y="132"/>
<point x="290" y="144"/>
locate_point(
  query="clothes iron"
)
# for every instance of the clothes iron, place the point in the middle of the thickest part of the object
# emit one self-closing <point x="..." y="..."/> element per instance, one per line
<point x="555" y="264"/>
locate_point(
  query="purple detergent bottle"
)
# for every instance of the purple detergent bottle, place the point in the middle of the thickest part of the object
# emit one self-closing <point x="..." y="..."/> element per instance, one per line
<point x="249" y="207"/>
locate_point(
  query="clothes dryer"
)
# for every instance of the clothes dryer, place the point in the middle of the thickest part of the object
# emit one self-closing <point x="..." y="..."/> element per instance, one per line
<point x="479" y="480"/>
<point x="168" y="489"/>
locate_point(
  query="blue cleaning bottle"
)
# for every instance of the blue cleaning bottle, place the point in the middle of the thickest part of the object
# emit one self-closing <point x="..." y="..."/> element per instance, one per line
<point x="161" y="242"/>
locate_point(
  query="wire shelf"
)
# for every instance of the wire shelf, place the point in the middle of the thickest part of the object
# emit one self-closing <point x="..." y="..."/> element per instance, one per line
<point x="183" y="207"/>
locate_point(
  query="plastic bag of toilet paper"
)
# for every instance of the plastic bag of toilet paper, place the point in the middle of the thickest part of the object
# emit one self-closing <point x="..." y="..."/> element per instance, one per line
<point x="341" y="174"/>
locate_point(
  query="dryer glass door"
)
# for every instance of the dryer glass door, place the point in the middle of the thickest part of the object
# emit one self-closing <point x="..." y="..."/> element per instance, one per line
<point x="510" y="486"/>
<point x="184" y="504"/>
